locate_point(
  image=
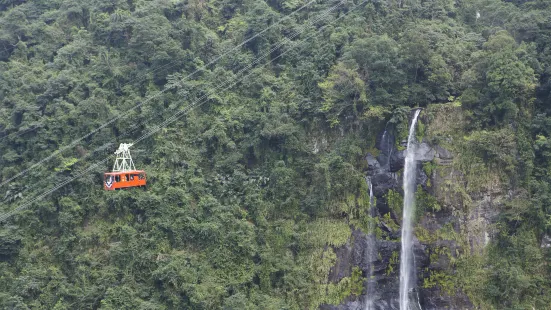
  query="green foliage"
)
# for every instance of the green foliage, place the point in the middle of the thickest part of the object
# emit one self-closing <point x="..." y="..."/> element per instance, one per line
<point x="500" y="86"/>
<point x="420" y="130"/>
<point x="395" y="202"/>
<point x="10" y="242"/>
<point x="390" y="223"/>
<point x="514" y="266"/>
<point x="250" y="193"/>
<point x="442" y="279"/>
<point x="518" y="268"/>
<point x="400" y="120"/>
<point x="425" y="202"/>
<point x="66" y="165"/>
<point x="356" y="283"/>
<point x="343" y="91"/>
<point x="495" y="148"/>
<point x="430" y="167"/>
<point x="119" y="298"/>
<point x="393" y="263"/>
<point x="331" y="232"/>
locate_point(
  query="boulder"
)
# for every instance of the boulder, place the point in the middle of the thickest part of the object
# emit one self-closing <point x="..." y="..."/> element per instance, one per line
<point x="397" y="160"/>
<point x="424" y="152"/>
<point x="372" y="163"/>
<point x="442" y="153"/>
<point x="382" y="182"/>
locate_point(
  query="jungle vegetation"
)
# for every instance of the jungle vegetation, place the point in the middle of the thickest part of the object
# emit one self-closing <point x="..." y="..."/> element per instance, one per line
<point x="250" y="191"/>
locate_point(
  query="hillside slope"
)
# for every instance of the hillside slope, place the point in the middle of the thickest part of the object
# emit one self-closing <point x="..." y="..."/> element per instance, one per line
<point x="255" y="191"/>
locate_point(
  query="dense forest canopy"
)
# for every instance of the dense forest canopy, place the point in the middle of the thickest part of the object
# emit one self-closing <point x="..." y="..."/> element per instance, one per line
<point x="262" y="175"/>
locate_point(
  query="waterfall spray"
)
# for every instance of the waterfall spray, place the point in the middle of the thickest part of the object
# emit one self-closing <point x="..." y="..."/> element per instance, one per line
<point x="389" y="153"/>
<point x="406" y="262"/>
<point x="371" y="243"/>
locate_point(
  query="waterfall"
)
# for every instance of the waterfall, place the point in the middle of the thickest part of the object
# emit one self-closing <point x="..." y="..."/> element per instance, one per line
<point x="389" y="147"/>
<point x="406" y="262"/>
<point x="389" y="153"/>
<point x="370" y="195"/>
<point x="388" y="144"/>
<point x="370" y="252"/>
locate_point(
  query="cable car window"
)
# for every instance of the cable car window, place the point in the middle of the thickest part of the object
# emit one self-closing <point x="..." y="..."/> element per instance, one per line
<point x="126" y="177"/>
<point x="117" y="178"/>
<point x="141" y="176"/>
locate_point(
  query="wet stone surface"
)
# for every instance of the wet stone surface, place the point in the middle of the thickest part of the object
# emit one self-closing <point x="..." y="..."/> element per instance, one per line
<point x="385" y="173"/>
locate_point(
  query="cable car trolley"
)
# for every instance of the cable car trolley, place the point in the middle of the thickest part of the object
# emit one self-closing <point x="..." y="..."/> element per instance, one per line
<point x="124" y="172"/>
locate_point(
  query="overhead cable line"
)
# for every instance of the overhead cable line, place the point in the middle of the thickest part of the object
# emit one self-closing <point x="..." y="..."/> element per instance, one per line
<point x="121" y="115"/>
<point x="140" y="77"/>
<point x="301" y="29"/>
<point x="167" y="122"/>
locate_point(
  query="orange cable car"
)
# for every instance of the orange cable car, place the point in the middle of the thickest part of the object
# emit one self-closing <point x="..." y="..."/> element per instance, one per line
<point x="124" y="174"/>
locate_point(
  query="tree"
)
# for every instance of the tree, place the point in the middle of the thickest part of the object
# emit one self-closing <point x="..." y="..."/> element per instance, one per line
<point x="500" y="86"/>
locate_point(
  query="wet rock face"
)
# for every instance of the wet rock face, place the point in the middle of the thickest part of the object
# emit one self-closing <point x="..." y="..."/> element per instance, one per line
<point x="384" y="174"/>
<point x="442" y="153"/>
<point x="357" y="253"/>
<point x="373" y="164"/>
<point x="424" y="152"/>
<point x="397" y="161"/>
<point x="434" y="300"/>
<point x="383" y="182"/>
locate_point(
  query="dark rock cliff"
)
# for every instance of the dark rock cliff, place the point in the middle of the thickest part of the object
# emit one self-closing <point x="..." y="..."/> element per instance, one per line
<point x="384" y="172"/>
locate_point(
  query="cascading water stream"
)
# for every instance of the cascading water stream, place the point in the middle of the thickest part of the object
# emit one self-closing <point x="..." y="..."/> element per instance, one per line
<point x="389" y="144"/>
<point x="406" y="262"/>
<point x="371" y="243"/>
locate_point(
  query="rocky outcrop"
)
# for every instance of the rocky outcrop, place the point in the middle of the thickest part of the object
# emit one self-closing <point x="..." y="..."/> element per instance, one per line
<point x="384" y="172"/>
<point x="397" y="161"/>
<point x="385" y="277"/>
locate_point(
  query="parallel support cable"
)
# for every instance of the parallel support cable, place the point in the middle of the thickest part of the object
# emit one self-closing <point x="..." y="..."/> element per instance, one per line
<point x="179" y="114"/>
